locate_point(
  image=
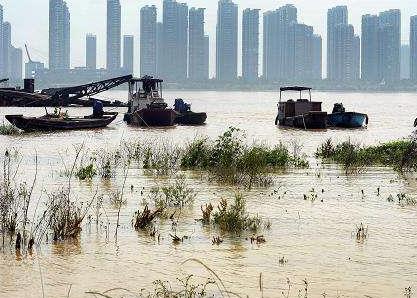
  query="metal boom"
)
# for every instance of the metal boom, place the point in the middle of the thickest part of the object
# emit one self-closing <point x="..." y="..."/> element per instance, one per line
<point x="76" y="92"/>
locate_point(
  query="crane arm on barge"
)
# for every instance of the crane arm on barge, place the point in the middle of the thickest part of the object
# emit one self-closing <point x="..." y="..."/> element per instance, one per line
<point x="77" y="92"/>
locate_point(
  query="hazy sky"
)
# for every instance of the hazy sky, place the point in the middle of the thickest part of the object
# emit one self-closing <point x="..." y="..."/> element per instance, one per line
<point x="29" y="20"/>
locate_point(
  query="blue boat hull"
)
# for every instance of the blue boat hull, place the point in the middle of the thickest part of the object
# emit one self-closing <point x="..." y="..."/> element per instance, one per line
<point x="347" y="120"/>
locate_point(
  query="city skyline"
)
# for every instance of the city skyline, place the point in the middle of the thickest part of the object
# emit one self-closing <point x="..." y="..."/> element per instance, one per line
<point x="315" y="16"/>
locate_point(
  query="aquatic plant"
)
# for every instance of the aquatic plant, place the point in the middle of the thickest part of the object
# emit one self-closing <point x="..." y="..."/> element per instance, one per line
<point x="175" y="194"/>
<point x="160" y="158"/>
<point x="9" y="130"/>
<point x="143" y="219"/>
<point x="403" y="199"/>
<point x="361" y="233"/>
<point x="230" y="160"/>
<point x="401" y="155"/>
<point x="65" y="216"/>
<point x="234" y="217"/>
<point x="15" y="200"/>
<point x="86" y="172"/>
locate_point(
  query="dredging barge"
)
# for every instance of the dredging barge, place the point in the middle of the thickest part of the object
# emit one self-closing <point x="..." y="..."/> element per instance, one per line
<point x="147" y="108"/>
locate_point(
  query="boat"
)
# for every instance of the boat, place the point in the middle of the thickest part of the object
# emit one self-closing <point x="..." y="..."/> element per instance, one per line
<point x="301" y="113"/>
<point x="51" y="122"/>
<point x="340" y="118"/>
<point x="187" y="117"/>
<point x="147" y="108"/>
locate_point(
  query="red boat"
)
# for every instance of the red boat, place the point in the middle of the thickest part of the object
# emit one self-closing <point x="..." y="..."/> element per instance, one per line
<point x="147" y="108"/>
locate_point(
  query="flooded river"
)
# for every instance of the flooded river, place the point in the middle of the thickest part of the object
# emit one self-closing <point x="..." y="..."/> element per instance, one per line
<point x="313" y="237"/>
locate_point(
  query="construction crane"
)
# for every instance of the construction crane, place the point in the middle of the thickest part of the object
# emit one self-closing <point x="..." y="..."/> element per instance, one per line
<point x="27" y="53"/>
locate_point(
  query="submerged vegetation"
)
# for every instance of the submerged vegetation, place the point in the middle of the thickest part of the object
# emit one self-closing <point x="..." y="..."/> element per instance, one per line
<point x="9" y="130"/>
<point x="233" y="217"/>
<point x="401" y="155"/>
<point x="230" y="160"/>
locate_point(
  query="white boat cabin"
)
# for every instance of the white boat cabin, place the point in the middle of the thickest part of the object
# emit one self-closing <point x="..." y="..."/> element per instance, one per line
<point x="144" y="92"/>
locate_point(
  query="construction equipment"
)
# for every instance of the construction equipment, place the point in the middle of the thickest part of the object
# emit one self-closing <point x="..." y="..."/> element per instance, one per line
<point x="73" y="93"/>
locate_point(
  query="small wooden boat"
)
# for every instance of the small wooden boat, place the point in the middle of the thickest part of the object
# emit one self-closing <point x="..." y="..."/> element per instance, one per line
<point x="51" y="123"/>
<point x="147" y="108"/>
<point x="302" y="113"/>
<point x="340" y="118"/>
<point x="187" y="117"/>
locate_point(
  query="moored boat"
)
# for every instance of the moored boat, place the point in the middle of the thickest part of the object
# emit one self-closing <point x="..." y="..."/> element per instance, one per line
<point x="187" y="117"/>
<point x="52" y="123"/>
<point x="147" y="108"/>
<point x="302" y="113"/>
<point x="340" y="118"/>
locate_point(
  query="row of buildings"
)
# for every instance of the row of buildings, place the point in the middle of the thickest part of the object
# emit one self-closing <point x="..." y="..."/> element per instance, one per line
<point x="177" y="47"/>
<point x="10" y="56"/>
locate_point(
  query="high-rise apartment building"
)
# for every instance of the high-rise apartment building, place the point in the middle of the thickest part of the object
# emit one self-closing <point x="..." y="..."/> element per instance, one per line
<point x="250" y="44"/>
<point x="148" y="40"/>
<point x="175" y="41"/>
<point x="91" y="51"/>
<point x="128" y="54"/>
<point x="389" y="38"/>
<point x="300" y="59"/>
<point x="113" y="35"/>
<point x="405" y="62"/>
<point x="370" y="45"/>
<point x="2" y="71"/>
<point x="16" y="64"/>
<point x="317" y="49"/>
<point x="59" y="35"/>
<point x="159" y="48"/>
<point x="413" y="48"/>
<point x="196" y="49"/>
<point x="7" y="45"/>
<point x="276" y="60"/>
<point x="381" y="47"/>
<point x="207" y="56"/>
<point x="335" y="16"/>
<point x="226" y="41"/>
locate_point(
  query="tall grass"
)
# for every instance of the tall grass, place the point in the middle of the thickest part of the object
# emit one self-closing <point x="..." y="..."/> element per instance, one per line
<point x="400" y="155"/>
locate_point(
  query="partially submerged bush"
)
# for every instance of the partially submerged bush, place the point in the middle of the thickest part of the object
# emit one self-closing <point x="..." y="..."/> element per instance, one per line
<point x="9" y="130"/>
<point x="175" y="195"/>
<point x="403" y="200"/>
<point x="234" y="217"/>
<point x="86" y="172"/>
<point x="401" y="155"/>
<point x="230" y="160"/>
<point x="65" y="216"/>
<point x="144" y="219"/>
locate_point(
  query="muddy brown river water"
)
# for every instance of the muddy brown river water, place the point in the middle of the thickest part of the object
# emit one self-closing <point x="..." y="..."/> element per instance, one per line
<point x="314" y="237"/>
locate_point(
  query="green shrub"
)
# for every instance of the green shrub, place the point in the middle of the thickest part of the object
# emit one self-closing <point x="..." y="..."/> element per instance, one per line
<point x="230" y="160"/>
<point x="9" y="130"/>
<point x="401" y="155"/>
<point x="86" y="173"/>
<point x="235" y="218"/>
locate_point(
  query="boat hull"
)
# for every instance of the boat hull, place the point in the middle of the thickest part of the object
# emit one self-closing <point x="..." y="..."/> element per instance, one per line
<point x="51" y="124"/>
<point x="191" y="118"/>
<point x="310" y="120"/>
<point x="347" y="120"/>
<point x="151" y="117"/>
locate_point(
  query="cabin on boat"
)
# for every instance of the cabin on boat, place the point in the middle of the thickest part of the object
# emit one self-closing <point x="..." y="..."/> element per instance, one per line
<point x="292" y="108"/>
